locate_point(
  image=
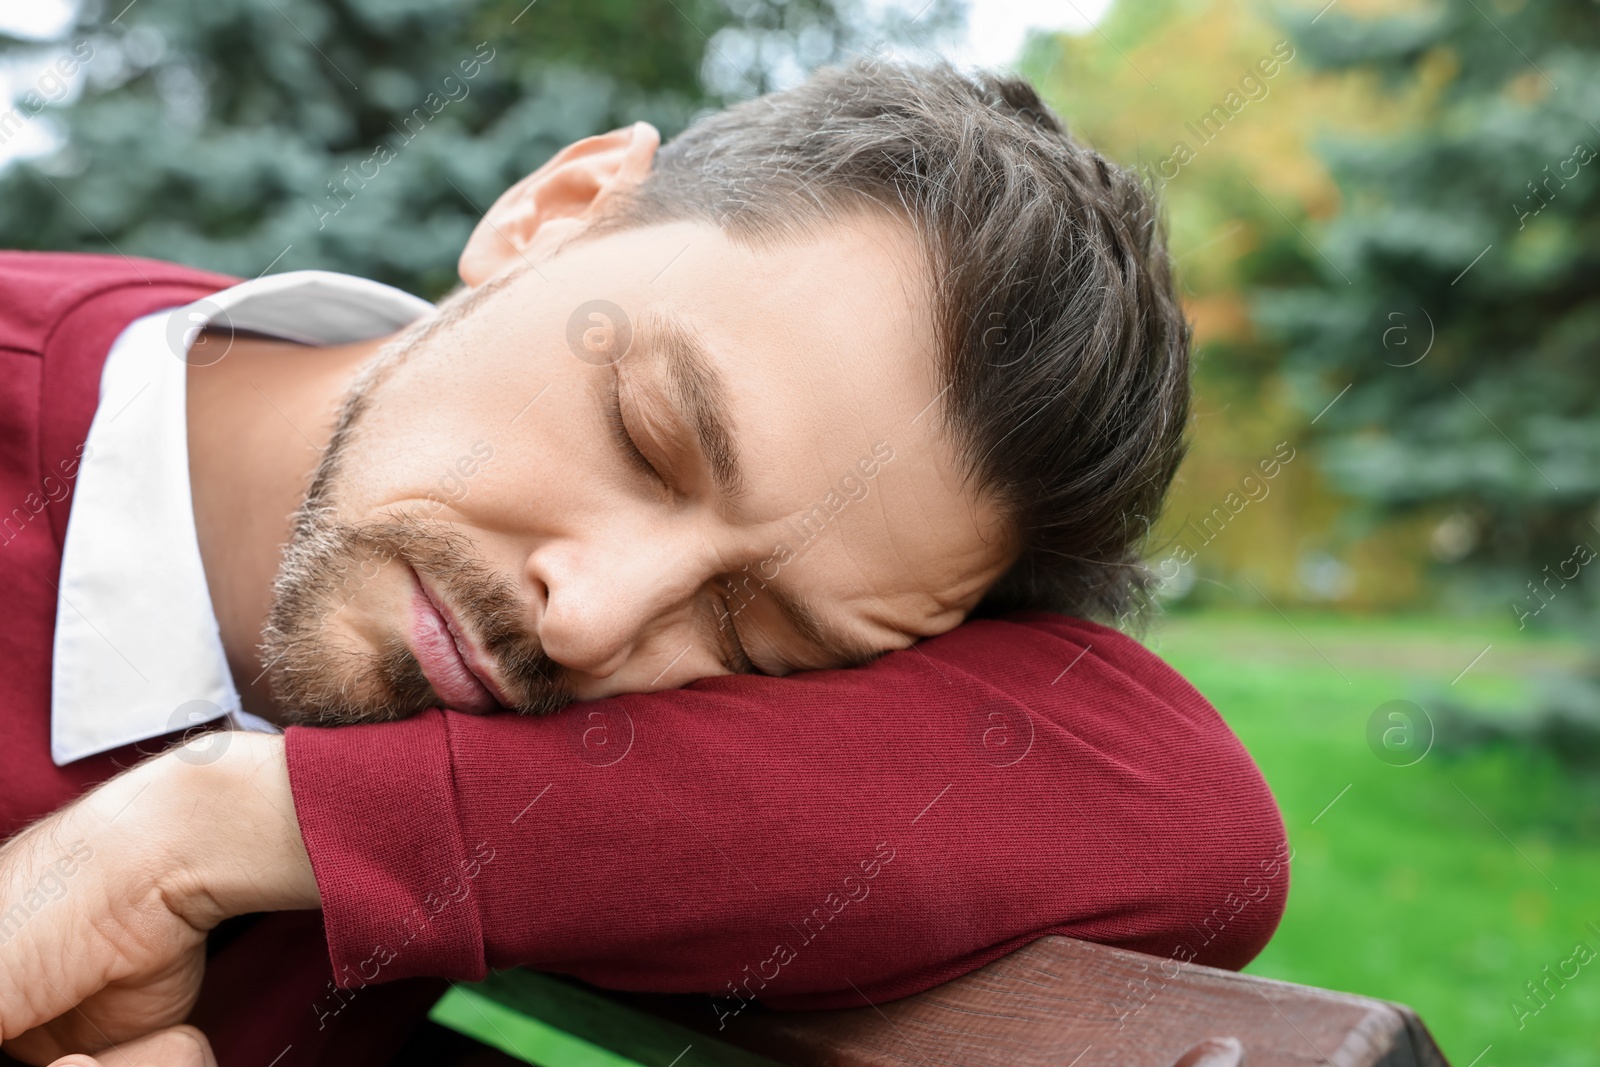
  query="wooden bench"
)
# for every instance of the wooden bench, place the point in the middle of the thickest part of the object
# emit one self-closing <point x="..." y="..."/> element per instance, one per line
<point x="1057" y="1002"/>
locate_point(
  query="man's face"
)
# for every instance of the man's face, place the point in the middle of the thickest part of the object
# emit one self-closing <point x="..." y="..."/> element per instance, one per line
<point x="657" y="455"/>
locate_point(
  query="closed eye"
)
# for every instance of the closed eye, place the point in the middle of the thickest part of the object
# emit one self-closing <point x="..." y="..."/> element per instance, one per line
<point x="734" y="653"/>
<point x="624" y="439"/>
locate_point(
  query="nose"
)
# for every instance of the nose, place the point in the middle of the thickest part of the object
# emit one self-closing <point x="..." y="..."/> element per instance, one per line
<point x="605" y="597"/>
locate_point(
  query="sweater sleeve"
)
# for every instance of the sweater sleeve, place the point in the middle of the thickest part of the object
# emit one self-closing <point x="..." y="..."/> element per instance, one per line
<point x="806" y="840"/>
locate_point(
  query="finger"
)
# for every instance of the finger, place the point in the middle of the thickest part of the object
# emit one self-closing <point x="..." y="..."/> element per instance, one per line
<point x="180" y="1046"/>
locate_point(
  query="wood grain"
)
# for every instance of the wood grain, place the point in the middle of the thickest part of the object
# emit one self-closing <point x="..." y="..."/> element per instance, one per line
<point x="1060" y="1002"/>
<point x="1057" y="1002"/>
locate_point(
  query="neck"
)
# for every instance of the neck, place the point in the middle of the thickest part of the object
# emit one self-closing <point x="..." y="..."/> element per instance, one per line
<point x="258" y="420"/>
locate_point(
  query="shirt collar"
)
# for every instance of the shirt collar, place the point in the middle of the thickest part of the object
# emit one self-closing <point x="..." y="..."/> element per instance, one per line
<point x="137" y="650"/>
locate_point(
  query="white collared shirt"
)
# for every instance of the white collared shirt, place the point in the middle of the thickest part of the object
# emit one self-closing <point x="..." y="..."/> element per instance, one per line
<point x="137" y="650"/>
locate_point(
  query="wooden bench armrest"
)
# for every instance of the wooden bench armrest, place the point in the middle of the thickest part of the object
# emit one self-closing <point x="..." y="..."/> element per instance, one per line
<point x="1058" y="1001"/>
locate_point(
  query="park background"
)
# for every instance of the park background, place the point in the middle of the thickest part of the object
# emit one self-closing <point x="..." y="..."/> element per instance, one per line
<point x="1387" y="223"/>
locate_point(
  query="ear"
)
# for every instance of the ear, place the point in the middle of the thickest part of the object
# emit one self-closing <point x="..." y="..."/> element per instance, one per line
<point x="535" y="215"/>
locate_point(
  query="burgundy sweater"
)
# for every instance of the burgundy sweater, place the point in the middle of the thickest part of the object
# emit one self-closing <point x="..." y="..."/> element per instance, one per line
<point x="804" y="841"/>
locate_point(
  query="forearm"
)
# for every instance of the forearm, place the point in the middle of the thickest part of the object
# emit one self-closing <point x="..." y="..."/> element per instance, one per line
<point x="828" y="813"/>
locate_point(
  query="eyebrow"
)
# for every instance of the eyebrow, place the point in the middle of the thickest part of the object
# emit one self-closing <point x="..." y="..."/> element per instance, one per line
<point x="698" y="387"/>
<point x="797" y="611"/>
<point x="819" y="632"/>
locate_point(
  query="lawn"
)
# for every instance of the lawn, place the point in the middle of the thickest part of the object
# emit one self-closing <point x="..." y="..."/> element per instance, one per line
<point x="1447" y="883"/>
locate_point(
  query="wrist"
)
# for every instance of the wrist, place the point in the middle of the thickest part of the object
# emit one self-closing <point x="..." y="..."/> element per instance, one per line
<point x="234" y="843"/>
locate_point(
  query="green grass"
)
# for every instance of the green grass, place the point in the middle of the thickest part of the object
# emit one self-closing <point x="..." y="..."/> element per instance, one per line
<point x="1446" y="884"/>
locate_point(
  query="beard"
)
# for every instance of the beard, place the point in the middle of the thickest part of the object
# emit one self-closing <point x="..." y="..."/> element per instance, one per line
<point x="318" y="683"/>
<point x="315" y="679"/>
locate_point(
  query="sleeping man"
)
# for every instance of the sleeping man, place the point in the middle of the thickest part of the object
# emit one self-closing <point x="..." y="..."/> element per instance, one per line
<point x="801" y="391"/>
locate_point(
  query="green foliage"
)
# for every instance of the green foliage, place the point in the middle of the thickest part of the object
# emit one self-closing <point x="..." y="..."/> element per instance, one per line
<point x="1475" y="230"/>
<point x="349" y="135"/>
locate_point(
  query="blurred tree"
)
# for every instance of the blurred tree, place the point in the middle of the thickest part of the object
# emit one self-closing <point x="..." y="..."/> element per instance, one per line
<point x="1457" y="295"/>
<point x="369" y="135"/>
<point x="1238" y="185"/>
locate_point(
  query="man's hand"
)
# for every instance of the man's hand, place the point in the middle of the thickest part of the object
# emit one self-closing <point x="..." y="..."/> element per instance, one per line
<point x="181" y="1046"/>
<point x="105" y="905"/>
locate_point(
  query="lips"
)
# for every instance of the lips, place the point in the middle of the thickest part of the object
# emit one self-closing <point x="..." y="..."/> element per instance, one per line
<point x="457" y="670"/>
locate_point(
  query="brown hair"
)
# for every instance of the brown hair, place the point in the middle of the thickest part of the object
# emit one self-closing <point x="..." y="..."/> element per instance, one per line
<point x="1063" y="348"/>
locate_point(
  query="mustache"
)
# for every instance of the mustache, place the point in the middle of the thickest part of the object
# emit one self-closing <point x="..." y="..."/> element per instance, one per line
<point x="482" y="600"/>
<point x="327" y="557"/>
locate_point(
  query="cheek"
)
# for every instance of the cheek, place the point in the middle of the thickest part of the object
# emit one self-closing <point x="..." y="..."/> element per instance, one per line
<point x="372" y="603"/>
<point x="359" y="606"/>
<point x="551" y="468"/>
<point x="428" y="428"/>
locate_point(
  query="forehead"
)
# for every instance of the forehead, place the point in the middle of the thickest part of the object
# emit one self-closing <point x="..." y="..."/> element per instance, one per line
<point x="827" y="357"/>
